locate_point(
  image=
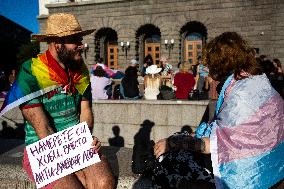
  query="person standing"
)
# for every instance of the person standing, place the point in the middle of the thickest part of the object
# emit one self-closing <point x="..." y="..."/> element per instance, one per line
<point x="167" y="71"/>
<point x="54" y="93"/>
<point x="202" y="72"/>
<point x="148" y="61"/>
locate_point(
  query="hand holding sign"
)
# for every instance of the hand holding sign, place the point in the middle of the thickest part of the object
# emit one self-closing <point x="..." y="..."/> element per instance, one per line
<point x="96" y="144"/>
<point x="62" y="153"/>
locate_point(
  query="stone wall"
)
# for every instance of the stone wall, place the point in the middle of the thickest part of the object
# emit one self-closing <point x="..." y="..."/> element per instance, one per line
<point x="13" y="117"/>
<point x="166" y="117"/>
<point x="261" y="22"/>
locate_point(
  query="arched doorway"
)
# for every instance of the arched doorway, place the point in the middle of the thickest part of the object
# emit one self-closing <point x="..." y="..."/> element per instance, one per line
<point x="193" y="36"/>
<point x="106" y="47"/>
<point x="193" y="47"/>
<point x="148" y="43"/>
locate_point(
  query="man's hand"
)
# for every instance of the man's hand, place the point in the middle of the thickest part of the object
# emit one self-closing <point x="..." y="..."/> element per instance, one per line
<point x="96" y="144"/>
<point x="161" y="147"/>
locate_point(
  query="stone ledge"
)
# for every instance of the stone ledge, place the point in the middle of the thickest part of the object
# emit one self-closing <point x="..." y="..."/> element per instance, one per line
<point x="162" y="102"/>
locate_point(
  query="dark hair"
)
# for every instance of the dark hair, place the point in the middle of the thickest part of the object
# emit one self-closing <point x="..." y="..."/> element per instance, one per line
<point x="131" y="72"/>
<point x="278" y="63"/>
<point x="149" y="60"/>
<point x="262" y="57"/>
<point x="228" y="53"/>
<point x="100" y="60"/>
<point x="267" y="66"/>
<point x="99" y="71"/>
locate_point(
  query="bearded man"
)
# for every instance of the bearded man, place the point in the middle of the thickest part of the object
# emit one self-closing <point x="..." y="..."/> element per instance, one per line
<point x="53" y="91"/>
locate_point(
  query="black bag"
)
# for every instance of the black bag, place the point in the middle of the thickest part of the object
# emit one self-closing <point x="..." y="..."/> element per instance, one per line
<point x="108" y="89"/>
<point x="196" y="95"/>
<point x="116" y="92"/>
<point x="167" y="93"/>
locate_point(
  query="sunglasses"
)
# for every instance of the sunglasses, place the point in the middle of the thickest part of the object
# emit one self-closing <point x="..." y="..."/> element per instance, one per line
<point x="71" y="39"/>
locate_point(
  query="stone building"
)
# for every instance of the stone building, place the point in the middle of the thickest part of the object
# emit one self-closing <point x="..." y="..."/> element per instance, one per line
<point x="127" y="29"/>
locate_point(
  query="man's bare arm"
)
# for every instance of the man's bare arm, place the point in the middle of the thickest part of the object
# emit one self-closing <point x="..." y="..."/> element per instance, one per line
<point x="38" y="120"/>
<point x="87" y="114"/>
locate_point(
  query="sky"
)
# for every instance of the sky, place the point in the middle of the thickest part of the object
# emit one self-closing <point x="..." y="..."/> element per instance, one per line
<point x="22" y="12"/>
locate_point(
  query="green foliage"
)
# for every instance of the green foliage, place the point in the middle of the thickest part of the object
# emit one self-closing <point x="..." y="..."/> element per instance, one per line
<point x="27" y="51"/>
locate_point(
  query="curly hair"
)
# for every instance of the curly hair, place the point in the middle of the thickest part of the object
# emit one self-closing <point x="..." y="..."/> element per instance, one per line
<point x="229" y="53"/>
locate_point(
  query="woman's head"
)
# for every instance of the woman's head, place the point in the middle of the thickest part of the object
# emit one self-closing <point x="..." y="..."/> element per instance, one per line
<point x="277" y="63"/>
<point x="164" y="60"/>
<point x="229" y="53"/>
<point x="148" y="60"/>
<point x="99" y="71"/>
<point x="185" y="67"/>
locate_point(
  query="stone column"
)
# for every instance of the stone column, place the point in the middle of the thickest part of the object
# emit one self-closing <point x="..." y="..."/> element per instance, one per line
<point x="141" y="51"/>
<point x="103" y="53"/>
<point x="182" y="47"/>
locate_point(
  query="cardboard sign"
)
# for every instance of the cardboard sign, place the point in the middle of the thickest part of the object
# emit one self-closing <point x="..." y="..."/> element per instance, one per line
<point x="61" y="153"/>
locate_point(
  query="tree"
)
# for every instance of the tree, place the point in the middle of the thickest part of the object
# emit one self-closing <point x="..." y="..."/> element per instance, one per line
<point x="27" y="51"/>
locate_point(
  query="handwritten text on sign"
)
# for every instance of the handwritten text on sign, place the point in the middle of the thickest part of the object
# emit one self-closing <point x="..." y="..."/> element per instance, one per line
<point x="61" y="153"/>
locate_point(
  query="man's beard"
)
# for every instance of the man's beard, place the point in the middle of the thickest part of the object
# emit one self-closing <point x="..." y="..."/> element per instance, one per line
<point x="67" y="57"/>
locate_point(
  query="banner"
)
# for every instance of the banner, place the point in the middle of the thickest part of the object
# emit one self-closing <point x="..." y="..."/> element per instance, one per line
<point x="61" y="153"/>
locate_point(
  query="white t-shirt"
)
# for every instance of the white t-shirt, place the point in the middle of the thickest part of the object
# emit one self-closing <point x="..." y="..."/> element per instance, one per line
<point x="98" y="85"/>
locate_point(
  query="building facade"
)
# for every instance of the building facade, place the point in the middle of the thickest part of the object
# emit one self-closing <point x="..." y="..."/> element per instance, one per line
<point x="127" y="29"/>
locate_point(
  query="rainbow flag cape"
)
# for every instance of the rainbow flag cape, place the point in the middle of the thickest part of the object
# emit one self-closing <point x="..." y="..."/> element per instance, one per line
<point x="247" y="135"/>
<point x="39" y="76"/>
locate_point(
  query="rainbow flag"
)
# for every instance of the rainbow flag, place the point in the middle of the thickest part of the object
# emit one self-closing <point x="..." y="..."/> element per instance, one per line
<point x="39" y="76"/>
<point x="247" y="136"/>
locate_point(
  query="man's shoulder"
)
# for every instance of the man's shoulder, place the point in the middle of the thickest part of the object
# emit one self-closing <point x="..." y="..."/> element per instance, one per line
<point x="26" y="63"/>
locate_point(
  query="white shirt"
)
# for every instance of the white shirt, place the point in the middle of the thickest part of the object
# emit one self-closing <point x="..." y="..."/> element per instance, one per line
<point x="98" y="85"/>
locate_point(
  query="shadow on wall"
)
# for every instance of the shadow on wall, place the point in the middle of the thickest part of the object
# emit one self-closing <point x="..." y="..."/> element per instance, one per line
<point x="143" y="153"/>
<point x="8" y="132"/>
<point x="117" y="140"/>
<point x="143" y="158"/>
<point x="10" y="137"/>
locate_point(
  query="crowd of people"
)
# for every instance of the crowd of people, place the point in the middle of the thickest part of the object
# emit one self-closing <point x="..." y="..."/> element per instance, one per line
<point x="244" y="138"/>
<point x="165" y="82"/>
<point x="161" y="81"/>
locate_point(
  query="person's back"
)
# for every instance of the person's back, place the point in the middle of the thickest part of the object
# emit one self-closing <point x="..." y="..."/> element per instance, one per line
<point x="152" y="85"/>
<point x="184" y="83"/>
<point x="130" y="83"/>
<point x="244" y="132"/>
<point x="99" y="84"/>
<point x="152" y="82"/>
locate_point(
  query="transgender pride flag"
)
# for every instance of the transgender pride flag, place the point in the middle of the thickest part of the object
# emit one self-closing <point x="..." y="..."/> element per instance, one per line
<point x="41" y="75"/>
<point x="247" y="138"/>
